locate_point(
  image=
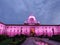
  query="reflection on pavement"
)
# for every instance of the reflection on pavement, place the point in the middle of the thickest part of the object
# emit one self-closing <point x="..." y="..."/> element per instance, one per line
<point x="40" y="42"/>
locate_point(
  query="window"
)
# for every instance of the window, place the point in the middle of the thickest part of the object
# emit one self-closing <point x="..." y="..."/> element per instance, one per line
<point x="7" y="27"/>
<point x="14" y="30"/>
<point x="17" y="30"/>
<point x="11" y="27"/>
<point x="14" y="27"/>
<point x="45" y="27"/>
<point x="1" y="25"/>
<point x="53" y="30"/>
<point x="49" y="27"/>
<point x="42" y="27"/>
<point x="21" y="28"/>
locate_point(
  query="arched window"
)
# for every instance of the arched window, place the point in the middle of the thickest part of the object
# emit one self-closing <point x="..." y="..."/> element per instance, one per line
<point x="21" y="29"/>
<point x="46" y="32"/>
<point x="14" y="30"/>
<point x="45" y="27"/>
<point x="14" y="27"/>
<point x="53" y="30"/>
<point x="17" y="30"/>
<point x="1" y="25"/>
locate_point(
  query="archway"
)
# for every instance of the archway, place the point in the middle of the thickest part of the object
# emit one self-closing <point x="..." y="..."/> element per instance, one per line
<point x="32" y="31"/>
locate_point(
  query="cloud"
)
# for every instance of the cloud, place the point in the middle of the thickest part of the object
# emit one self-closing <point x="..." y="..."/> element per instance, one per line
<point x="16" y="11"/>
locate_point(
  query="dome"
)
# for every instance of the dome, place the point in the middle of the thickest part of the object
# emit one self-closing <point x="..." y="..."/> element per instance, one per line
<point x="32" y="17"/>
<point x="31" y="20"/>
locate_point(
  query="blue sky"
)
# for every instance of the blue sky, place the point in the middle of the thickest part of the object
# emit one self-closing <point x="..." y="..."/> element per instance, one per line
<point x="17" y="11"/>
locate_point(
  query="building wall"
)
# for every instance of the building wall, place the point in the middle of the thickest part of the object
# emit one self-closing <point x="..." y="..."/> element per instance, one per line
<point x="27" y="30"/>
<point x="46" y="30"/>
<point x="13" y="30"/>
<point x="39" y="30"/>
<point x="58" y="30"/>
<point x="2" y="28"/>
<point x="17" y="30"/>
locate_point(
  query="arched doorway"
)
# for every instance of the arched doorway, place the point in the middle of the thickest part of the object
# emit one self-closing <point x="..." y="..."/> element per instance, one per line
<point x="32" y="31"/>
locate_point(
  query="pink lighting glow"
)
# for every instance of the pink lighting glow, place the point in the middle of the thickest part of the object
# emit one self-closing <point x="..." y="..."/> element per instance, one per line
<point x="18" y="29"/>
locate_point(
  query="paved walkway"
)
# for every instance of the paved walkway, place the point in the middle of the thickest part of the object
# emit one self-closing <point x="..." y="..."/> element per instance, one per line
<point x="29" y="41"/>
<point x="51" y="42"/>
<point x="39" y="41"/>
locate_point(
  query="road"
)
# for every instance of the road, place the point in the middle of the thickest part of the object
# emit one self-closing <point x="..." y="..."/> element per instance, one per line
<point x="39" y="41"/>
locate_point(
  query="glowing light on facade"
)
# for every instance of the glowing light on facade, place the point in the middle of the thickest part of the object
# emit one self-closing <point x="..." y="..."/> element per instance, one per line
<point x="32" y="27"/>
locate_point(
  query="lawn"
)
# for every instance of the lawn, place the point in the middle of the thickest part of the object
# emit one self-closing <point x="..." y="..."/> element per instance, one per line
<point x="16" y="40"/>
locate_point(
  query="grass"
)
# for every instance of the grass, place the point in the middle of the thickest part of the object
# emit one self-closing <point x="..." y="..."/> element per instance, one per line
<point x="17" y="40"/>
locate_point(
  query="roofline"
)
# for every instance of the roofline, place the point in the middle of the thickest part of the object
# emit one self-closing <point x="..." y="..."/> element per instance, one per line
<point x="28" y="24"/>
<point x="2" y="23"/>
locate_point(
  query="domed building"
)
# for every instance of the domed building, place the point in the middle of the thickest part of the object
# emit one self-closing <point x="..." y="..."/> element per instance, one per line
<point x="31" y="27"/>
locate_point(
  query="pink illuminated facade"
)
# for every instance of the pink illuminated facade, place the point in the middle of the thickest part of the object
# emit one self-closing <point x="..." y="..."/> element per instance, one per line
<point x="31" y="26"/>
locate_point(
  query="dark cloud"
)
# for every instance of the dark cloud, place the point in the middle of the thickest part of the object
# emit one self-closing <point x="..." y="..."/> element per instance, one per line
<point x="17" y="11"/>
